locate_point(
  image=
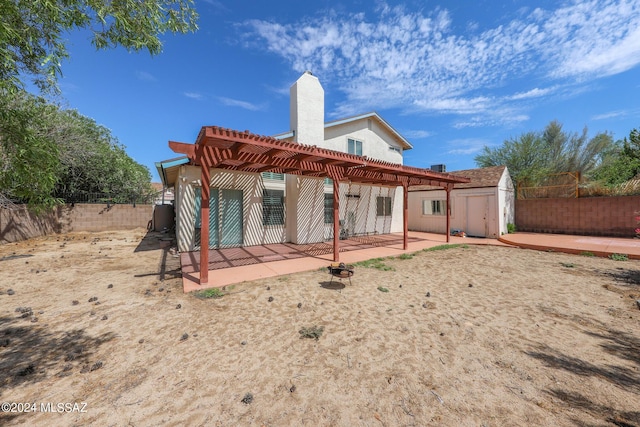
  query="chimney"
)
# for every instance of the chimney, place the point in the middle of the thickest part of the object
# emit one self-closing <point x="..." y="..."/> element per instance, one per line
<point x="307" y="110"/>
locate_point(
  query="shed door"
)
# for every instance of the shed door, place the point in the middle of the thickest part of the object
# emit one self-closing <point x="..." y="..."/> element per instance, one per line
<point x="477" y="216"/>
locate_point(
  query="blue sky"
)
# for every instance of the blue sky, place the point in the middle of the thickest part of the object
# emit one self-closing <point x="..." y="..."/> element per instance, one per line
<point x="451" y="76"/>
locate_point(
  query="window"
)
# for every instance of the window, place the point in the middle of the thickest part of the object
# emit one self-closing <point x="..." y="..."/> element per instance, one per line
<point x="396" y="149"/>
<point x="272" y="207"/>
<point x="354" y="147"/>
<point x="383" y="206"/>
<point x="434" y="207"/>
<point x="273" y="176"/>
<point x="328" y="181"/>
<point x="328" y="208"/>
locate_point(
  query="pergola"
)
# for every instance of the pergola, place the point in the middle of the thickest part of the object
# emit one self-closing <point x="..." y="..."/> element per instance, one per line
<point x="220" y="148"/>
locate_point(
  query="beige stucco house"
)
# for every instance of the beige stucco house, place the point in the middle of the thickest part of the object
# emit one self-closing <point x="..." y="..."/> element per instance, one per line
<point x="249" y="209"/>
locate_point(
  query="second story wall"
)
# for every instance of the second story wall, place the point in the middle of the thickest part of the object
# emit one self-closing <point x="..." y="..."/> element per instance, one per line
<point x="375" y="141"/>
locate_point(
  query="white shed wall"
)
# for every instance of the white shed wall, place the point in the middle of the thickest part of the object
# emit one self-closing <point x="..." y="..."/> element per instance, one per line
<point x="459" y="211"/>
<point x="507" y="200"/>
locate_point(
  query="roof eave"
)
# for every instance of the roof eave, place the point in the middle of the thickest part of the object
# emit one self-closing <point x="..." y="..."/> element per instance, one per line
<point x="168" y="164"/>
<point x="403" y="141"/>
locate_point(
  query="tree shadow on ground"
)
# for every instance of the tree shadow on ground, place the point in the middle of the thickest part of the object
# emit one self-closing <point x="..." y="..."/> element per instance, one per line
<point x="620" y="344"/>
<point x="627" y="276"/>
<point x="621" y="376"/>
<point x="581" y="403"/>
<point x="30" y="353"/>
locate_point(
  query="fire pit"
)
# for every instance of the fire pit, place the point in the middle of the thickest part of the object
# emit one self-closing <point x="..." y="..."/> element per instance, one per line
<point x="341" y="271"/>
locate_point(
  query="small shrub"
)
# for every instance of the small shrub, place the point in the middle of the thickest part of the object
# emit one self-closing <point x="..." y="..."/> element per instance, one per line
<point x="383" y="289"/>
<point x="210" y="293"/>
<point x="406" y="256"/>
<point x="587" y="253"/>
<point x="567" y="264"/>
<point x="311" y="332"/>
<point x="511" y="228"/>
<point x="443" y="247"/>
<point x="619" y="257"/>
<point x="377" y="263"/>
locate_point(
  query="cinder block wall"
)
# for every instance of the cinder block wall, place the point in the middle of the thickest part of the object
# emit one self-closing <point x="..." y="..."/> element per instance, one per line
<point x="595" y="216"/>
<point x="20" y="224"/>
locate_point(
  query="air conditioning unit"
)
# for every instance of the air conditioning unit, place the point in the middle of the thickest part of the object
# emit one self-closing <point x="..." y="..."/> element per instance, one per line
<point x="439" y="168"/>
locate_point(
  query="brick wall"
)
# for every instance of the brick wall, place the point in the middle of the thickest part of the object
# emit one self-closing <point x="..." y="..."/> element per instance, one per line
<point x="20" y="224"/>
<point x="596" y="216"/>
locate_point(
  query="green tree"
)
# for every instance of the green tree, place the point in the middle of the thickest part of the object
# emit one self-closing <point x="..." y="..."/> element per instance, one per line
<point x="535" y="155"/>
<point x="31" y="31"/>
<point x="621" y="162"/>
<point x="68" y="154"/>
<point x="525" y="157"/>
<point x="93" y="161"/>
<point x="571" y="152"/>
<point x="29" y="161"/>
<point x="32" y="47"/>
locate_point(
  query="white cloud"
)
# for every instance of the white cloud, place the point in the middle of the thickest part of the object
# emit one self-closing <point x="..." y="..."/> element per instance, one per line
<point x="282" y="90"/>
<point x="416" y="62"/>
<point x="417" y="134"/>
<point x="502" y="117"/>
<point x="193" y="95"/>
<point x="609" y="115"/>
<point x="454" y="105"/>
<point x="533" y="93"/>
<point x="466" y="146"/>
<point x="143" y="75"/>
<point x="593" y="38"/>
<point x="217" y="5"/>
<point x="242" y="104"/>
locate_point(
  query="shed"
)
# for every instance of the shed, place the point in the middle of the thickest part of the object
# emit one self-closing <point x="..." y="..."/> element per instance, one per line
<point x="480" y="208"/>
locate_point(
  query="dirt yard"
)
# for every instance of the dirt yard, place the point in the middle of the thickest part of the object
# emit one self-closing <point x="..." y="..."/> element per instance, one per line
<point x="96" y="328"/>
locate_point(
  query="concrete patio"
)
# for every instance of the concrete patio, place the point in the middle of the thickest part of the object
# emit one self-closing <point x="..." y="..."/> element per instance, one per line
<point x="236" y="265"/>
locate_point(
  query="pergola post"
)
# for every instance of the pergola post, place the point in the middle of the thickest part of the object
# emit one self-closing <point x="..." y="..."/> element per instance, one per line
<point x="336" y="220"/>
<point x="205" y="192"/>
<point x="448" y="188"/>
<point x="405" y="215"/>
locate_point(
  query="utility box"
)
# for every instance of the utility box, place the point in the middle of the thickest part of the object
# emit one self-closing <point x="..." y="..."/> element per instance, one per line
<point x="439" y="168"/>
<point x="163" y="217"/>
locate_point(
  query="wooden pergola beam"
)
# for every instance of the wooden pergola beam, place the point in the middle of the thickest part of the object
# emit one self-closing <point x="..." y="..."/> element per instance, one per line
<point x="217" y="147"/>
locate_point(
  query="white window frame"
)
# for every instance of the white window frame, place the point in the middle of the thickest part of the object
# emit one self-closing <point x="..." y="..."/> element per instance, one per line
<point x="273" y="176"/>
<point x="271" y="195"/>
<point x="328" y="216"/>
<point x="434" y="207"/>
<point x="356" y="143"/>
<point x="386" y="207"/>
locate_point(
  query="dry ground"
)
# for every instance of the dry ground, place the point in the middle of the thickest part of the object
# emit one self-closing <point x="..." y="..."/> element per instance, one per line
<point x="477" y="336"/>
